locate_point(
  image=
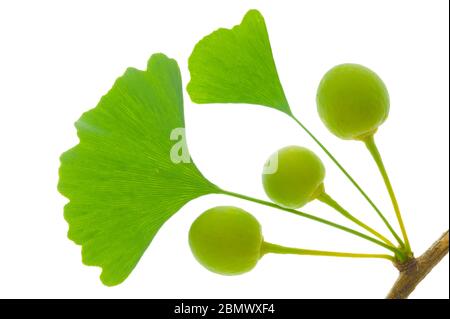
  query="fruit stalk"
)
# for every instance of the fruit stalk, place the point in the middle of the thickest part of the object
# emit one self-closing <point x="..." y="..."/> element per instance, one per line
<point x="415" y="270"/>
<point x="350" y="178"/>
<point x="372" y="147"/>
<point x="328" y="200"/>
<point x="277" y="249"/>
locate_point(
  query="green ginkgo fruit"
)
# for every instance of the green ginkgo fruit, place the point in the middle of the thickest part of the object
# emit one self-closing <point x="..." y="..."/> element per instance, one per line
<point x="293" y="176"/>
<point x="352" y="101"/>
<point x="226" y="240"/>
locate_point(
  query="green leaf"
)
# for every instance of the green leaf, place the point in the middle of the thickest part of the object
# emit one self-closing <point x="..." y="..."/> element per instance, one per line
<point x="236" y="66"/>
<point x="120" y="179"/>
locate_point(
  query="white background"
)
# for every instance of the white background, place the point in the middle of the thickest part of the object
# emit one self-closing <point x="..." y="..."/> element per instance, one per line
<point x="57" y="58"/>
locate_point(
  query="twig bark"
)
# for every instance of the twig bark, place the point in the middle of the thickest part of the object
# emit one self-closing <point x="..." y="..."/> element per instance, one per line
<point x="415" y="270"/>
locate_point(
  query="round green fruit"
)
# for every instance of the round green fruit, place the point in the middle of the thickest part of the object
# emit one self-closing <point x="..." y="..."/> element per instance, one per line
<point x="296" y="179"/>
<point x="352" y="101"/>
<point x="226" y="240"/>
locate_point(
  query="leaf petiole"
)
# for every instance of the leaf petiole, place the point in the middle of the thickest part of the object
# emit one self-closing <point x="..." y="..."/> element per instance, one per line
<point x="398" y="253"/>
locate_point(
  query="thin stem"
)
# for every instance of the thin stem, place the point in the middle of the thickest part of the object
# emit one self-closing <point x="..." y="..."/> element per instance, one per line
<point x="317" y="219"/>
<point x="327" y="199"/>
<point x="372" y="147"/>
<point x="277" y="249"/>
<point x="380" y="214"/>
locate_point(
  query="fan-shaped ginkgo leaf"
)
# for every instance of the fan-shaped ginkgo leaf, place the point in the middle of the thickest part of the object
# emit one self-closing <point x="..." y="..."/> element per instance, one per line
<point x="126" y="177"/>
<point x="236" y="66"/>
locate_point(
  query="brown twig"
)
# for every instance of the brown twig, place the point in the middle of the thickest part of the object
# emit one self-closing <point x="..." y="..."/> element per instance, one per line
<point x="415" y="270"/>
